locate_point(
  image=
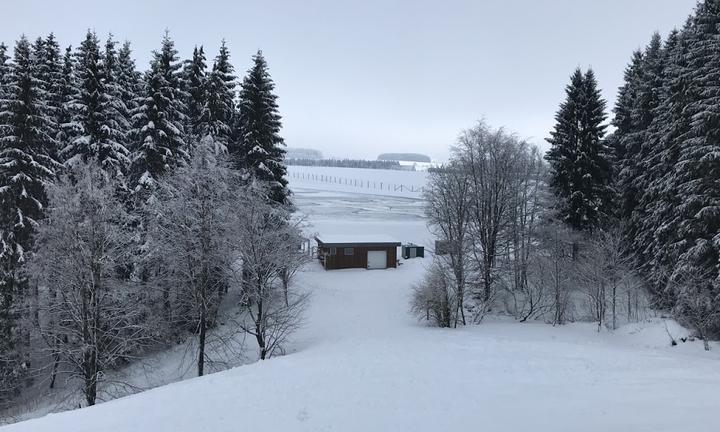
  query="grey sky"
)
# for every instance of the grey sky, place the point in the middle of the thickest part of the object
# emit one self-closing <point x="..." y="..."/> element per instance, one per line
<point x="358" y="78"/>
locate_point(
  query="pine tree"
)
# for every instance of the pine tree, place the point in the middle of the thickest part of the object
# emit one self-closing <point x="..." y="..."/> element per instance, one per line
<point x="95" y="111"/>
<point x="217" y="114"/>
<point x="128" y="79"/>
<point x="661" y="198"/>
<point x="66" y="92"/>
<point x="634" y="115"/>
<point x="696" y="175"/>
<point x="25" y="167"/>
<point x="580" y="158"/>
<point x="48" y="71"/>
<point x="195" y="86"/>
<point x="118" y="113"/>
<point x="8" y="356"/>
<point x="4" y="74"/>
<point x="261" y="147"/>
<point x="625" y="154"/>
<point x="159" y="119"/>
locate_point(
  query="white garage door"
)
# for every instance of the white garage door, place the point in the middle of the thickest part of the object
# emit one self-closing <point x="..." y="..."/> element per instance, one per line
<point x="377" y="259"/>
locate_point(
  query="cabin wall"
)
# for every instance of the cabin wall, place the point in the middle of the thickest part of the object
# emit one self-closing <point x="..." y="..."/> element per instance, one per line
<point x="358" y="259"/>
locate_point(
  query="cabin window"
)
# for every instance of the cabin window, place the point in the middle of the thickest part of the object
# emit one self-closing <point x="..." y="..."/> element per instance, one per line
<point x="349" y="251"/>
<point x="333" y="251"/>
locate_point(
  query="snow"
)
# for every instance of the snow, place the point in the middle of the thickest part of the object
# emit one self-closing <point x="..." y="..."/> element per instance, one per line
<point x="361" y="363"/>
<point x="406" y="184"/>
<point x="356" y="238"/>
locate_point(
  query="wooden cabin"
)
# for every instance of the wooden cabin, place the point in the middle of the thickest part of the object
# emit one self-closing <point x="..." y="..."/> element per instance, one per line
<point x="353" y="251"/>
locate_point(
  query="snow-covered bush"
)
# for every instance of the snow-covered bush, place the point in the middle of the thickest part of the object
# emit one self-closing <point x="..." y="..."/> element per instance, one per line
<point x="434" y="298"/>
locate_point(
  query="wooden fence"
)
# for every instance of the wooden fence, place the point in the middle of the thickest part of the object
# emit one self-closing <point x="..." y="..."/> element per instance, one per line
<point x="357" y="183"/>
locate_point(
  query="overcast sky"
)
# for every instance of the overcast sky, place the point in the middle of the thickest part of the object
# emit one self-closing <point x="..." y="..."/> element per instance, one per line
<point x="358" y="78"/>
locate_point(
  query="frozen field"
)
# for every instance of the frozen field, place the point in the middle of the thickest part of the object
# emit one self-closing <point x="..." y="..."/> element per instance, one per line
<point x="395" y="183"/>
<point x="361" y="363"/>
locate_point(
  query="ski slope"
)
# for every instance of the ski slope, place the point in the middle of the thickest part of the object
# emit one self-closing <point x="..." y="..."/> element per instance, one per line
<point x="361" y="363"/>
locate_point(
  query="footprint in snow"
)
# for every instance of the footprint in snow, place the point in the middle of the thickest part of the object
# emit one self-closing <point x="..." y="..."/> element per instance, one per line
<point x="303" y="416"/>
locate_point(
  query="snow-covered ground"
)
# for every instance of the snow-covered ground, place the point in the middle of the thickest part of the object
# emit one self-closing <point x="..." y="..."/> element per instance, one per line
<point x="393" y="183"/>
<point x="361" y="363"/>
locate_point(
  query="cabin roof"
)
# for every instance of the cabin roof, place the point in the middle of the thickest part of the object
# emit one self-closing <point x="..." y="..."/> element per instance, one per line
<point x="357" y="240"/>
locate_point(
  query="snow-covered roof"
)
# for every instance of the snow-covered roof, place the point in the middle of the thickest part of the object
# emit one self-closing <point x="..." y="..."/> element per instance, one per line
<point x="356" y="239"/>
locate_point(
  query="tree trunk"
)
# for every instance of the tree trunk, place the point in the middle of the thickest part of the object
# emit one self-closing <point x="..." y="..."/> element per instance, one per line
<point x="53" y="375"/>
<point x="614" y="305"/>
<point x="90" y="366"/>
<point x="201" y="339"/>
<point x="260" y="329"/>
<point x="575" y="250"/>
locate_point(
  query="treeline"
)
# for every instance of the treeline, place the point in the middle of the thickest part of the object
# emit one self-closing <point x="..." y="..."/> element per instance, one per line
<point x="345" y="163"/>
<point x="506" y="246"/>
<point x="638" y="205"/>
<point x="302" y="153"/>
<point x="132" y="204"/>
<point x="667" y="147"/>
<point x="410" y="157"/>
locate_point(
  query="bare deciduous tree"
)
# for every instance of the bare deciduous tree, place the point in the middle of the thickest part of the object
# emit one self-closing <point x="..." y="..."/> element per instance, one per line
<point x="493" y="160"/>
<point x="266" y="244"/>
<point x="93" y="320"/>
<point x="697" y="301"/>
<point x="554" y="268"/>
<point x="607" y="273"/>
<point x="193" y="218"/>
<point x="434" y="298"/>
<point x="447" y="198"/>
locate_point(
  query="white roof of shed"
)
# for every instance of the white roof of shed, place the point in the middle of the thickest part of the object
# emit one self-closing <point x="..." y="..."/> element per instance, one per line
<point x="355" y="238"/>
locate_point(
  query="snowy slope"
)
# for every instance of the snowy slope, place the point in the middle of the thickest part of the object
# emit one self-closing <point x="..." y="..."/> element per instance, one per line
<point x="362" y="364"/>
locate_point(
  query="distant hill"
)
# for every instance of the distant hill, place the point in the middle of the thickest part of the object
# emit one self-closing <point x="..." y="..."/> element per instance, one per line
<point x="409" y="157"/>
<point x="303" y="153"/>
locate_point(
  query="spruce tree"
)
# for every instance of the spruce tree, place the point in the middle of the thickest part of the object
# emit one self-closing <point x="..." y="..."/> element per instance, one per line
<point x="4" y="75"/>
<point x="55" y="88"/>
<point x="159" y="120"/>
<point x="260" y="148"/>
<point x="67" y="129"/>
<point x="696" y="175"/>
<point x="119" y="114"/>
<point x="47" y="70"/>
<point x="128" y="79"/>
<point x="95" y="112"/>
<point x="217" y="114"/>
<point x="635" y="148"/>
<point x="25" y="167"/>
<point x="626" y="154"/>
<point x="195" y="86"/>
<point x="661" y="198"/>
<point x="580" y="158"/>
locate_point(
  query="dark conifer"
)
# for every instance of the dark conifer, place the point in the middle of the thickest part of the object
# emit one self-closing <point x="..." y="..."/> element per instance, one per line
<point x="579" y="157"/>
<point x="96" y="111"/>
<point x="159" y="119"/>
<point x="696" y="175"/>
<point x="261" y="147"/>
<point x="217" y="115"/>
<point x="195" y="86"/>
<point x="25" y="167"/>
